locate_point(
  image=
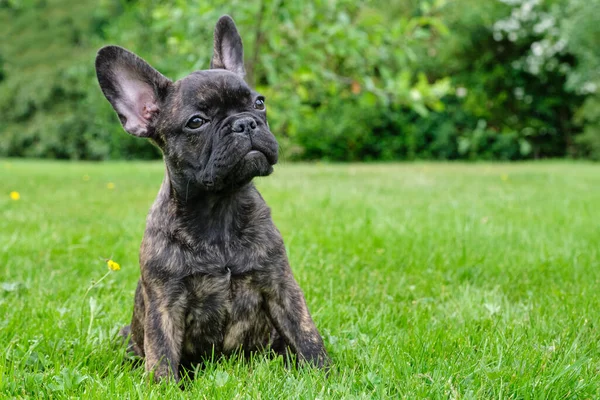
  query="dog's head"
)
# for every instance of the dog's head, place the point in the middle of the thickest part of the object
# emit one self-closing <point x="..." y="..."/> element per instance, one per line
<point x="211" y="126"/>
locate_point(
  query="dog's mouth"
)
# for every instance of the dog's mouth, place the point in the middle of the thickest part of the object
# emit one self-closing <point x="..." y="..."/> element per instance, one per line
<point x="257" y="159"/>
<point x="270" y="156"/>
<point x="257" y="162"/>
<point x="254" y="163"/>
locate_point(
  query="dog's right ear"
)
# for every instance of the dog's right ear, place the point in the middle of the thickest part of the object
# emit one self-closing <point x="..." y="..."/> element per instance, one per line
<point x="133" y="87"/>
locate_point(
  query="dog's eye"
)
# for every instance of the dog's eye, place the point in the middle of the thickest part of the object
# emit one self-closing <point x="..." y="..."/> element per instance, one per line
<point x="259" y="104"/>
<point x="195" y="122"/>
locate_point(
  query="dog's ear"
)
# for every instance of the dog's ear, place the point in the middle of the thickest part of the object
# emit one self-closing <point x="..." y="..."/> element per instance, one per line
<point x="133" y="87"/>
<point x="228" y="51"/>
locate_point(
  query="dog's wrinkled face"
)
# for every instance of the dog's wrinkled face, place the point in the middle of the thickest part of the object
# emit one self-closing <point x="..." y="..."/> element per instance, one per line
<point x="211" y="126"/>
<point x="215" y="130"/>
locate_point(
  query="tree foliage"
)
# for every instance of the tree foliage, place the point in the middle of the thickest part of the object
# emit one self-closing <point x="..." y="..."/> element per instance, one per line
<point x="344" y="80"/>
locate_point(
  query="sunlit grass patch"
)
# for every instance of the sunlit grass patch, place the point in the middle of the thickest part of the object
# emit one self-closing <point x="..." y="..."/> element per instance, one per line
<point x="425" y="280"/>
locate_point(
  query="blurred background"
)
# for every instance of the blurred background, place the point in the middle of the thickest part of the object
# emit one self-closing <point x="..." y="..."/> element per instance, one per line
<point x="345" y="80"/>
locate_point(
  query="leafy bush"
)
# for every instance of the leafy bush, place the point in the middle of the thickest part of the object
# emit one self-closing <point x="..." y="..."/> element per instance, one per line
<point x="588" y="143"/>
<point x="50" y="105"/>
<point x="344" y="80"/>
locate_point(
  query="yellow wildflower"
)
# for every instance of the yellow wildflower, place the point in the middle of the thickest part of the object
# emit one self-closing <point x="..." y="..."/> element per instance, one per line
<point x="110" y="185"/>
<point x="86" y="177"/>
<point x="112" y="265"/>
<point x="15" y="195"/>
<point x="504" y="177"/>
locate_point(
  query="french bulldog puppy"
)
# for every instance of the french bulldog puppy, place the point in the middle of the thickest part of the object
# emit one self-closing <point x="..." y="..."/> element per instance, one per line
<point x="215" y="277"/>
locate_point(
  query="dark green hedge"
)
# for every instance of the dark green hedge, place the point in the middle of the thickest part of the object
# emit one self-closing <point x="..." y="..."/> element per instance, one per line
<point x="344" y="80"/>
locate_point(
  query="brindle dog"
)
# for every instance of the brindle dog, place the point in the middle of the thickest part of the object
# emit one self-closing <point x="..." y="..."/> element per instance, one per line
<point x="215" y="277"/>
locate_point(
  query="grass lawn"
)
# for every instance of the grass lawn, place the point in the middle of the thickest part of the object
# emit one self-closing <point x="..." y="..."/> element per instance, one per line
<point x="425" y="280"/>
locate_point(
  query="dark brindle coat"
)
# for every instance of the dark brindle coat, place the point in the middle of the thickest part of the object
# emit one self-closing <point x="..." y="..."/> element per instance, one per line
<point x="214" y="273"/>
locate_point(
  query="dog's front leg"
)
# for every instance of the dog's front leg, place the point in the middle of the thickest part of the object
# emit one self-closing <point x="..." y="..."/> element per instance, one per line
<point x="163" y="331"/>
<point x="290" y="316"/>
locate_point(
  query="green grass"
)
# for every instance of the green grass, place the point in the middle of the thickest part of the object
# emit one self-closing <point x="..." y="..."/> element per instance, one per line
<point x="426" y="281"/>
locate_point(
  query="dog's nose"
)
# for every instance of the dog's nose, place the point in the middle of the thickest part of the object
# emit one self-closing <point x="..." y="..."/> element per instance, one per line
<point x="246" y="124"/>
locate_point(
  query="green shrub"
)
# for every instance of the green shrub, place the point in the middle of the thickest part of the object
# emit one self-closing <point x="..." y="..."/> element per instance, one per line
<point x="344" y="80"/>
<point x="588" y="143"/>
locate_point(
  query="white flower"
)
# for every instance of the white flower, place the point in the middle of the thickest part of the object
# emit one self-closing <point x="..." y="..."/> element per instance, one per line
<point x="461" y="92"/>
<point x="589" y="87"/>
<point x="519" y="92"/>
<point x="415" y="95"/>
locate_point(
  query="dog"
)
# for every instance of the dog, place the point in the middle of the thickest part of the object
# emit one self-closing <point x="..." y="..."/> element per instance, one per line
<point x="215" y="277"/>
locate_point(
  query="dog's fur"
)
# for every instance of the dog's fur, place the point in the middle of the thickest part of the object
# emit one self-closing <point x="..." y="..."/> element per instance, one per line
<point x="215" y="277"/>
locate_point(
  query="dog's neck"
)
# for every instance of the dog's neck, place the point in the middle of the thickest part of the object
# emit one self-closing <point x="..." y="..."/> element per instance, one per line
<point x="205" y="214"/>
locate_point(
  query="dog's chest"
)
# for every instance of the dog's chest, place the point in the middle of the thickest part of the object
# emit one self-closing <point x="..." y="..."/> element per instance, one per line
<point x="223" y="313"/>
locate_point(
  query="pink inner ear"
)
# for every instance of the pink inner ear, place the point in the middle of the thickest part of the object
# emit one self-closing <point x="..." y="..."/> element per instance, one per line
<point x="149" y="110"/>
<point x="230" y="59"/>
<point x="137" y="103"/>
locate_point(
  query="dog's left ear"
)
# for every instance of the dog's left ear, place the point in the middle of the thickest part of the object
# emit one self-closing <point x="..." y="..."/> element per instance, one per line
<point x="228" y="50"/>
